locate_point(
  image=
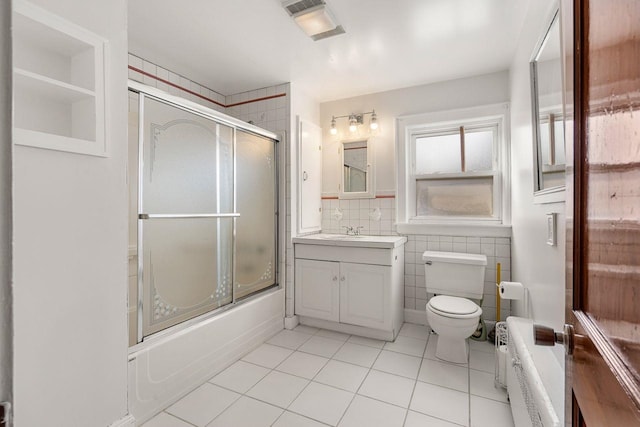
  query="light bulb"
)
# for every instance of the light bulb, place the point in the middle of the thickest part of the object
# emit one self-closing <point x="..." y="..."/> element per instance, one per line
<point x="333" y="130"/>
<point x="374" y="121"/>
<point x="353" y="124"/>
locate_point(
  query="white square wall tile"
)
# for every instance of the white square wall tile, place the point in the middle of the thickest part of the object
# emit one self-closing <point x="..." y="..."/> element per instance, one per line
<point x="342" y="375"/>
<point x="388" y="388"/>
<point x="440" y="402"/>
<point x="240" y="376"/>
<point x="322" y="403"/>
<point x="268" y="355"/>
<point x="278" y="388"/>
<point x="303" y="365"/>
<point x="203" y="404"/>
<point x="445" y="375"/>
<point x="357" y="354"/>
<point x="372" y="413"/>
<point x="247" y="412"/>
<point x="398" y="364"/>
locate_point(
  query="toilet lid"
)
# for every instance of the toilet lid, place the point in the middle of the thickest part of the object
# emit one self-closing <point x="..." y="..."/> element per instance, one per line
<point x="453" y="305"/>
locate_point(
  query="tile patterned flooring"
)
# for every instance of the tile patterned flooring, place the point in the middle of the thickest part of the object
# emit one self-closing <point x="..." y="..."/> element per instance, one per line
<point x="309" y="377"/>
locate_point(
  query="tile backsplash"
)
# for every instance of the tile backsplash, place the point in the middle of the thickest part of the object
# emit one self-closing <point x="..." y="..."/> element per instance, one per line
<point x="377" y="216"/>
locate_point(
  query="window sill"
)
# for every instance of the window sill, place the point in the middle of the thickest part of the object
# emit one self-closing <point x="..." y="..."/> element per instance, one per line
<point x="451" y="229"/>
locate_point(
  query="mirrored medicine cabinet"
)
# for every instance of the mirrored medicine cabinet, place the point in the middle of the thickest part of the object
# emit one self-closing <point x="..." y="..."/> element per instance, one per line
<point x="547" y="114"/>
<point x="356" y="169"/>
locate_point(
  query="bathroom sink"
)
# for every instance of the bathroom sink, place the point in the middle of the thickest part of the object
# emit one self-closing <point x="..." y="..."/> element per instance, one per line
<point x="350" y="240"/>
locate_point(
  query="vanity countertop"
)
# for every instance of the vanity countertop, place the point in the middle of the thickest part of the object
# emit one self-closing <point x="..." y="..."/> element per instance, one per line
<point x="348" y="240"/>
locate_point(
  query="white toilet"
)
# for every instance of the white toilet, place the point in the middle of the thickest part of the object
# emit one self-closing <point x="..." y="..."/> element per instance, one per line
<point x="456" y="279"/>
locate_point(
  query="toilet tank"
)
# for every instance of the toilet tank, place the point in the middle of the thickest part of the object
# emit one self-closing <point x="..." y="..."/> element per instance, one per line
<point x="455" y="274"/>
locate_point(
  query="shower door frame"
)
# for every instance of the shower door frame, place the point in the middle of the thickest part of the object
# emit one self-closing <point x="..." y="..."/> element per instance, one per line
<point x="144" y="92"/>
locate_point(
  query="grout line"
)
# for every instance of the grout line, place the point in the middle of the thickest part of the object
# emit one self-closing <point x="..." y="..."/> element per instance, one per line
<point x="173" y="416"/>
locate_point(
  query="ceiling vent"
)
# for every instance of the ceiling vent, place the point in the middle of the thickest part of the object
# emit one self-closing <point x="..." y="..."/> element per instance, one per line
<point x="314" y="17"/>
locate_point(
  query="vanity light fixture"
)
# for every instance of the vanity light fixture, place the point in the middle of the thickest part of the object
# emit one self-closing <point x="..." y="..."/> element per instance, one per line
<point x="355" y="119"/>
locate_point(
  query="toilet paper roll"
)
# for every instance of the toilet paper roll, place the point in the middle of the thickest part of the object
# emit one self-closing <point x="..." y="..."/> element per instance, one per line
<point x="511" y="290"/>
<point x="502" y="364"/>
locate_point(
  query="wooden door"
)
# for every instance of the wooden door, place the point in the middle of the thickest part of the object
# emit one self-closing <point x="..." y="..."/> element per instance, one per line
<point x="603" y="211"/>
<point x="365" y="295"/>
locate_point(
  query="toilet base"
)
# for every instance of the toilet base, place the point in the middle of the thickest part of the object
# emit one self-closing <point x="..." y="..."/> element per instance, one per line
<point x="453" y="350"/>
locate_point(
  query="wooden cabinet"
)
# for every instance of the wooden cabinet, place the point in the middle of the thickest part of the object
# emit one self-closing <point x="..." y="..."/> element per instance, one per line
<point x="59" y="83"/>
<point x="351" y="289"/>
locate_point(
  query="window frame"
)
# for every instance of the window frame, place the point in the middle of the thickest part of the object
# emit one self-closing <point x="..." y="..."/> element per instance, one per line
<point x="410" y="128"/>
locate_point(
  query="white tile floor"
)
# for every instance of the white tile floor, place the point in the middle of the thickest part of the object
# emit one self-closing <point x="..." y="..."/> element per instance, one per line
<point x="313" y="378"/>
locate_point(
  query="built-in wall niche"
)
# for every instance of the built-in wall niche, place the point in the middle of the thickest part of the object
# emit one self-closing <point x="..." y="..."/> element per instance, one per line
<point x="58" y="81"/>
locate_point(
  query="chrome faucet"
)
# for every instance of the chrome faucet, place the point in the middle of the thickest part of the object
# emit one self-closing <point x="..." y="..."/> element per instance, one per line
<point x="350" y="230"/>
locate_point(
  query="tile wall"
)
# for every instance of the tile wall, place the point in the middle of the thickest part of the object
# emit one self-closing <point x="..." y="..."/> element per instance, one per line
<point x="186" y="89"/>
<point x="360" y="213"/>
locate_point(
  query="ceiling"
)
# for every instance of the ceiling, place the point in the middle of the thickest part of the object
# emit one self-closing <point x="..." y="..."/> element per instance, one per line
<point x="233" y="46"/>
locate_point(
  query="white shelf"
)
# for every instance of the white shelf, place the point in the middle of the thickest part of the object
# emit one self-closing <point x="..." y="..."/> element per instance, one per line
<point x="47" y="87"/>
<point x="59" y="88"/>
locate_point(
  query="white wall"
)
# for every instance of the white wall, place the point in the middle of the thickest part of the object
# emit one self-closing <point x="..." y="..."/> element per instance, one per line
<point x="449" y="95"/>
<point x="70" y="258"/>
<point x="6" y="371"/>
<point x="539" y="266"/>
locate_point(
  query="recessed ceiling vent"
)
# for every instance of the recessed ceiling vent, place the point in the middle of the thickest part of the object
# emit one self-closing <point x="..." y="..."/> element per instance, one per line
<point x="314" y="17"/>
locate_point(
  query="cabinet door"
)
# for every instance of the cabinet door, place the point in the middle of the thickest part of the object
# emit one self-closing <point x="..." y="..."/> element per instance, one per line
<point x="317" y="289"/>
<point x="365" y="295"/>
<point x="309" y="177"/>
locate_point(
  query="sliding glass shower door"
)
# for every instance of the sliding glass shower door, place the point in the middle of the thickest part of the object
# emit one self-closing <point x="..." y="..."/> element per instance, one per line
<point x="206" y="215"/>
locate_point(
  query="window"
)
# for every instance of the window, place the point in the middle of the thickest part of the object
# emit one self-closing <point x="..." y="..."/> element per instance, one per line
<point x="452" y="166"/>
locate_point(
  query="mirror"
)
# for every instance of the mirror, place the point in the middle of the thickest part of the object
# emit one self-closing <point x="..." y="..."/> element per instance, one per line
<point x="356" y="169"/>
<point x="547" y="116"/>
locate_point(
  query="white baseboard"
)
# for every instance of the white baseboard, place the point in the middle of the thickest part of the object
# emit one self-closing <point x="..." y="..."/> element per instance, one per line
<point x="291" y="322"/>
<point x="127" y="421"/>
<point x="418" y="317"/>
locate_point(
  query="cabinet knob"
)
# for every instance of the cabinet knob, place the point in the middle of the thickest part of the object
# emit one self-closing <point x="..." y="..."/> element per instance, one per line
<point x="335" y="278"/>
<point x="342" y="278"/>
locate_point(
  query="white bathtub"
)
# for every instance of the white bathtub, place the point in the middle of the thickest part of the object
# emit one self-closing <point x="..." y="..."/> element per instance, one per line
<point x="169" y="368"/>
<point x="535" y="375"/>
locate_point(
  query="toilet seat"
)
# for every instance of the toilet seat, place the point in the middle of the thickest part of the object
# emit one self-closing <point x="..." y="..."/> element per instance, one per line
<point x="454" y="307"/>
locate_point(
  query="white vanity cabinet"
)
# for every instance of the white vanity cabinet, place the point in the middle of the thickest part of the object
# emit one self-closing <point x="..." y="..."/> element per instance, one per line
<point x="350" y="284"/>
